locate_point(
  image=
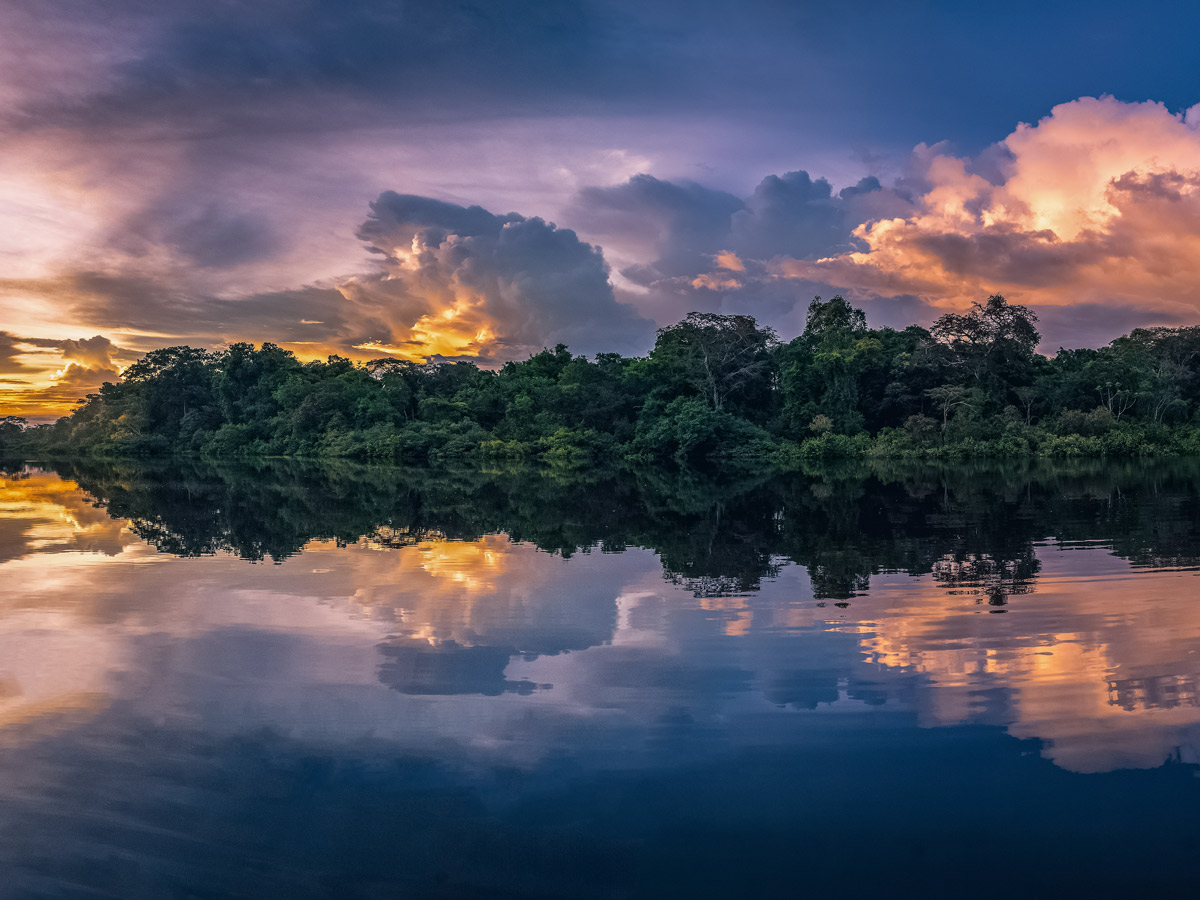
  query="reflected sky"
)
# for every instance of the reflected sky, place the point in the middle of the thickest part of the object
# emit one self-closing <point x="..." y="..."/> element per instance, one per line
<point x="488" y="655"/>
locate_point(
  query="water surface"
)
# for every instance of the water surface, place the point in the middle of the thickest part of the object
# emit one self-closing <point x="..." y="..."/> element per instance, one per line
<point x="304" y="681"/>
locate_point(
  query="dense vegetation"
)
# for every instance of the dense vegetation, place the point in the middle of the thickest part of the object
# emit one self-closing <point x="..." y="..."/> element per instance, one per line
<point x="715" y="392"/>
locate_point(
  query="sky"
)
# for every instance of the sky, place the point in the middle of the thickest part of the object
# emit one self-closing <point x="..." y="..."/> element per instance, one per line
<point x="477" y="180"/>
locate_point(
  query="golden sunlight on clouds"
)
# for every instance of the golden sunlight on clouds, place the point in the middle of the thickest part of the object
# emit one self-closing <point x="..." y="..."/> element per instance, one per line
<point x="724" y="278"/>
<point x="715" y="282"/>
<point x="460" y="329"/>
<point x="1099" y="202"/>
<point x="44" y="376"/>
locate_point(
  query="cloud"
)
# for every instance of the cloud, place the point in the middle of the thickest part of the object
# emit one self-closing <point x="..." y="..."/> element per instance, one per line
<point x="93" y="353"/>
<point x="55" y="373"/>
<point x="11" y="353"/>
<point x="684" y="222"/>
<point x="716" y="252"/>
<point x="794" y="215"/>
<point x="154" y="307"/>
<point x="229" y="150"/>
<point x="262" y="66"/>
<point x="217" y="236"/>
<point x="461" y="281"/>
<point x="1096" y="205"/>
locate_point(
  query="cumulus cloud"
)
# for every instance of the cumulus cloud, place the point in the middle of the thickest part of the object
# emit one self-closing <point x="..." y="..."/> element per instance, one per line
<point x="794" y="215"/>
<point x="684" y="222"/>
<point x="1097" y="204"/>
<point x="1095" y="207"/>
<point x="717" y="252"/>
<point x="53" y="374"/>
<point x="461" y="281"/>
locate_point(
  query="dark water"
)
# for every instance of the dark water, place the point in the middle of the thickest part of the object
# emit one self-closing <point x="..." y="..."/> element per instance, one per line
<point x="304" y="682"/>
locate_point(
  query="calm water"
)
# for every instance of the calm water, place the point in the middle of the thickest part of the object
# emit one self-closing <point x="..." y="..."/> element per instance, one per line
<point x="306" y="682"/>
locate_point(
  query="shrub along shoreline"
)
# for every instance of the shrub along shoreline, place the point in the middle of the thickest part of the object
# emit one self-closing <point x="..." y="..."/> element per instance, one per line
<point x="716" y="392"/>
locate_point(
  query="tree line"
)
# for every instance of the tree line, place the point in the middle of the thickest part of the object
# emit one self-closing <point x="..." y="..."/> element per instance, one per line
<point x="716" y="392"/>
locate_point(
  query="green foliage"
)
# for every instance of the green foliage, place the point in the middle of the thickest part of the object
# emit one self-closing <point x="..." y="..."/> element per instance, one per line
<point x="725" y="361"/>
<point x="991" y="346"/>
<point x="716" y="393"/>
<point x="835" y="446"/>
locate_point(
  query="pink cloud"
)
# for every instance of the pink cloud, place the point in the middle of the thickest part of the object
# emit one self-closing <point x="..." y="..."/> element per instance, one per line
<point x="1097" y="203"/>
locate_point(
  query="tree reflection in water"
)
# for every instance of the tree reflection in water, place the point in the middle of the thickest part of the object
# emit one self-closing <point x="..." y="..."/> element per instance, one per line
<point x="794" y="664"/>
<point x="973" y="528"/>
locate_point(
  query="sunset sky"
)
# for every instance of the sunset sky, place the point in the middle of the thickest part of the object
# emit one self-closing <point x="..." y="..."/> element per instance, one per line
<point x="481" y="179"/>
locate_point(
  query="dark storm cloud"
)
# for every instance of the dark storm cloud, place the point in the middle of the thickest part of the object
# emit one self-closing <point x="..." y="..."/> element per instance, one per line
<point x="713" y="250"/>
<point x="11" y="350"/>
<point x="685" y="222"/>
<point x="395" y="218"/>
<point x="884" y="75"/>
<point x="793" y="215"/>
<point x="206" y="235"/>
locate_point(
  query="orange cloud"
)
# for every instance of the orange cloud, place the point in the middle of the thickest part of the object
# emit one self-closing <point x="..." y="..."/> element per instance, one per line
<point x="1099" y="202"/>
<point x="728" y="260"/>
<point x="41" y="377"/>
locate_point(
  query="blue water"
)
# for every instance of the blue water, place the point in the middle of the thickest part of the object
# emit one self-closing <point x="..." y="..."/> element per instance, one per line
<point x="322" y="684"/>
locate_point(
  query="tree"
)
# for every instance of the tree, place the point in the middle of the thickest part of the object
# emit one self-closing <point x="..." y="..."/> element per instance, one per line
<point x="246" y="382"/>
<point x="1121" y="375"/>
<point x="993" y="343"/>
<point x="833" y="319"/>
<point x="11" y="428"/>
<point x="174" y="388"/>
<point x="1028" y="396"/>
<point x="718" y="357"/>
<point x="947" y="397"/>
<point x="821" y="368"/>
<point x="1172" y="355"/>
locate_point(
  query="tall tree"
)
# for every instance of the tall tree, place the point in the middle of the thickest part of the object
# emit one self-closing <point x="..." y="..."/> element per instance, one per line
<point x="821" y="368"/>
<point x="719" y="357"/>
<point x="993" y="343"/>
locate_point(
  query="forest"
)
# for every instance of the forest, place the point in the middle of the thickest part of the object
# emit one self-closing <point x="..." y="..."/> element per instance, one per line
<point x="717" y="392"/>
